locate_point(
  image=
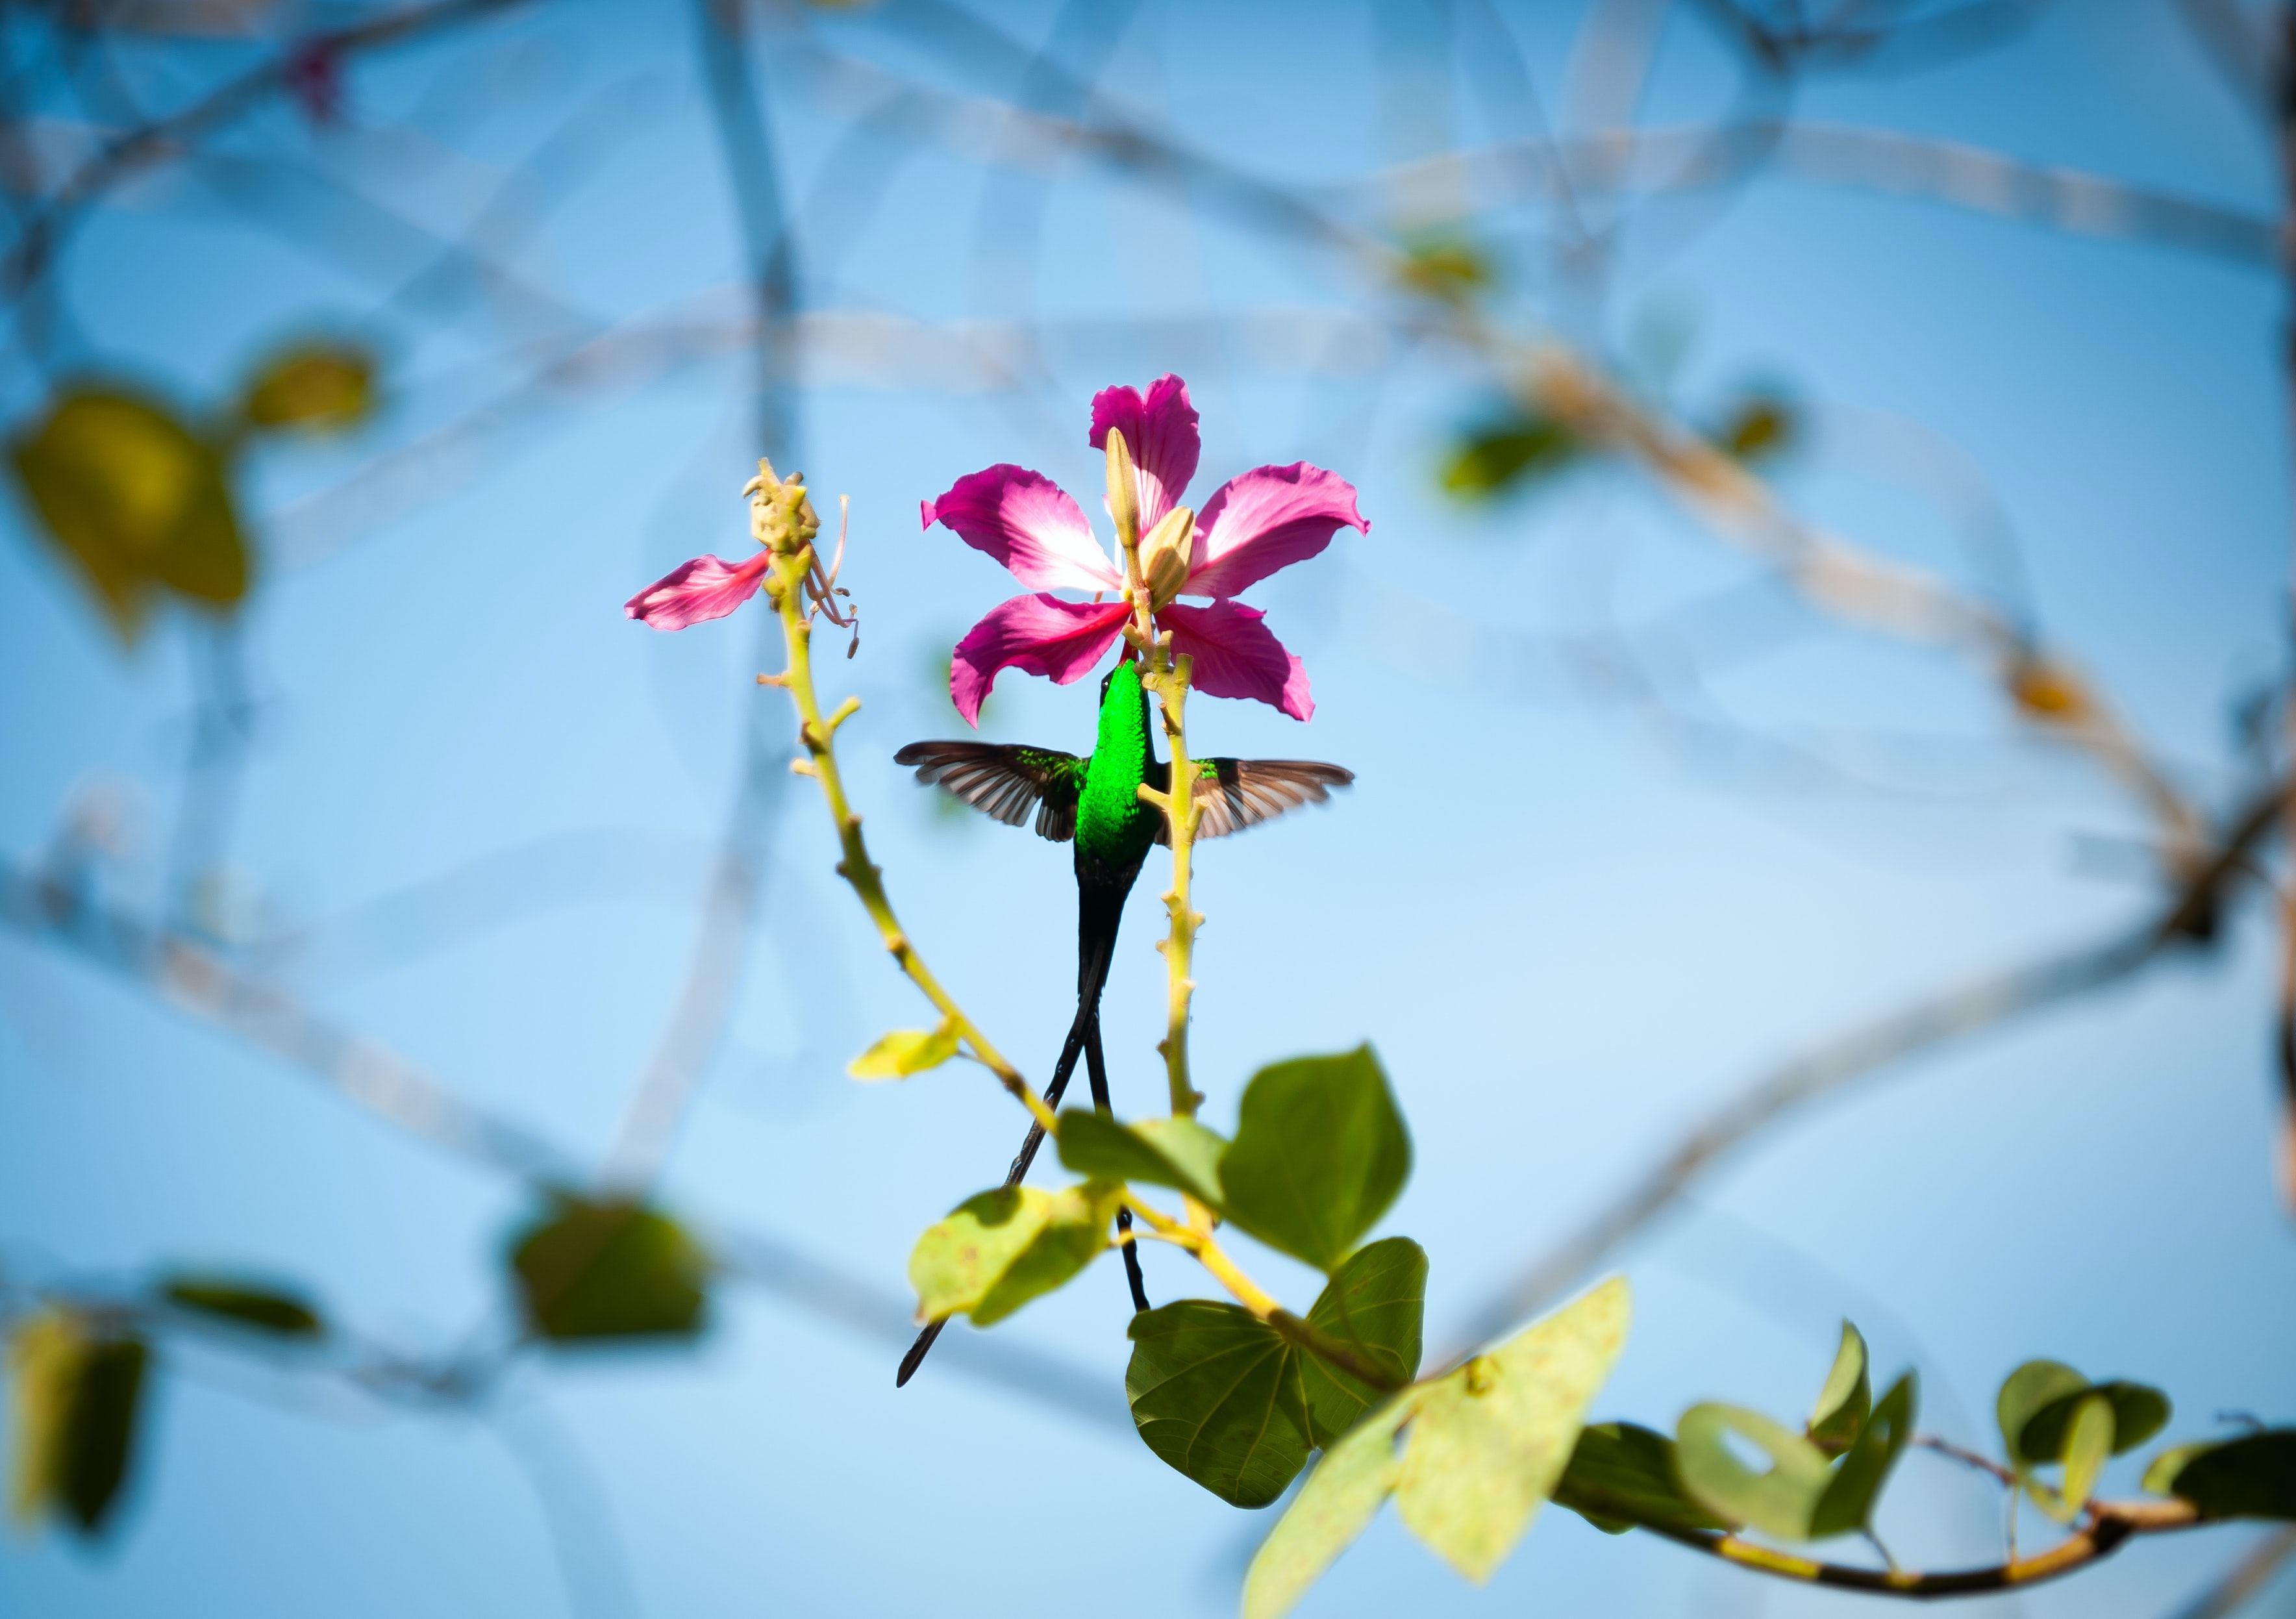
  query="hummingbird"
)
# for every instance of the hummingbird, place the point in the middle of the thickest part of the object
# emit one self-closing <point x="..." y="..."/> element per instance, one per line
<point x="1094" y="803"/>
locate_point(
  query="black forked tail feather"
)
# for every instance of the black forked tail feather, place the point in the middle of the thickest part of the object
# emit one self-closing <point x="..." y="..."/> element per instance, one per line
<point x="1100" y="910"/>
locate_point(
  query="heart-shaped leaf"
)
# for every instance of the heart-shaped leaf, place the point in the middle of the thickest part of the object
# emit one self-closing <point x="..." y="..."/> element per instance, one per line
<point x="999" y="1249"/>
<point x="2139" y="1412"/>
<point x="1177" y="1153"/>
<point x="1338" y="1503"/>
<point x="1847" y="1506"/>
<point x="1491" y="1439"/>
<point x="1847" y="1398"/>
<point x="1782" y="1502"/>
<point x="1319" y="1154"/>
<point x="1622" y="1475"/>
<point x="1215" y="1392"/>
<point x="595" y="1270"/>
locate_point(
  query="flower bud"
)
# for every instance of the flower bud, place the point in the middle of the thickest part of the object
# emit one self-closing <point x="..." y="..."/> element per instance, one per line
<point x="1165" y="554"/>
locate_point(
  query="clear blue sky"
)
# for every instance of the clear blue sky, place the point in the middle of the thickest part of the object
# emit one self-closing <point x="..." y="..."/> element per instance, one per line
<point x="1568" y="925"/>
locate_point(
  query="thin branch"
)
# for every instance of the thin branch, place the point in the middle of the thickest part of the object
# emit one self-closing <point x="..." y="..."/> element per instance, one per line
<point x="1954" y="1015"/>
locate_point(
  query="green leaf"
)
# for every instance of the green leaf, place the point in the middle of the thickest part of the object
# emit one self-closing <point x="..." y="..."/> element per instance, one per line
<point x="1847" y="1504"/>
<point x="78" y="1395"/>
<point x="609" y="1270"/>
<point x="1447" y="268"/>
<point x="313" y="387"/>
<point x="2253" y="1476"/>
<point x="1338" y="1503"/>
<point x="136" y="501"/>
<point x="1621" y="1475"/>
<point x="1492" y="1439"/>
<point x="1759" y="428"/>
<point x="1490" y="460"/>
<point x="1215" y="1392"/>
<point x="2088" y="1443"/>
<point x="1782" y="1502"/>
<point x="2139" y="1412"/>
<point x="999" y="1249"/>
<point x="1177" y="1153"/>
<point x="1319" y="1154"/>
<point x="904" y="1052"/>
<point x="1847" y="1398"/>
<point x="264" y="1308"/>
<point x="2027" y="1391"/>
<point x="1372" y="1308"/>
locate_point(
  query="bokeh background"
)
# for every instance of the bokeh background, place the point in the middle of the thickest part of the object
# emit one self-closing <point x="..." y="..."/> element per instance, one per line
<point x="1636" y="821"/>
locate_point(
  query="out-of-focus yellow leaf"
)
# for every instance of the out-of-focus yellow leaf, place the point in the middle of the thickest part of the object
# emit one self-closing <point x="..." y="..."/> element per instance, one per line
<point x="314" y="386"/>
<point x="136" y="501"/>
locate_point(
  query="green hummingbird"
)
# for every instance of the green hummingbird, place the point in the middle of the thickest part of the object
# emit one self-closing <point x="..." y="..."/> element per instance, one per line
<point x="1094" y="803"/>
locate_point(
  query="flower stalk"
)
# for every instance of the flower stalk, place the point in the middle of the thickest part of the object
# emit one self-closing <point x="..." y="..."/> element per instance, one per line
<point x="782" y="520"/>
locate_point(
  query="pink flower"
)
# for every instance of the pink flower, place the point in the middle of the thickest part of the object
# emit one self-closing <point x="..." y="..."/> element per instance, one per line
<point x="1253" y="524"/>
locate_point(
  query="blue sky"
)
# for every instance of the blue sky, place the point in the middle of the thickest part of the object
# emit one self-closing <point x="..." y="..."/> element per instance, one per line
<point x="1568" y="925"/>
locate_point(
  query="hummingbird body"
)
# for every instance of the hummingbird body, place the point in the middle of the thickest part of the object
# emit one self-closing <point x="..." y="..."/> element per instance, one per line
<point x="1095" y="802"/>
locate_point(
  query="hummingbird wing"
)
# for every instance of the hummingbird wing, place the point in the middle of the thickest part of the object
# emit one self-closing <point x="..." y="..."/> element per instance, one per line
<point x="1235" y="793"/>
<point x="1005" y="781"/>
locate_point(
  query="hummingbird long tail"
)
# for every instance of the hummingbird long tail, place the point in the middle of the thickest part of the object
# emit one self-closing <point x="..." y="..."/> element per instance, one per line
<point x="1099" y="914"/>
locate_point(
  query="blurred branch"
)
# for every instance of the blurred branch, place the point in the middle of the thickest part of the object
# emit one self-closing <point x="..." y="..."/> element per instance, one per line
<point x="154" y="143"/>
<point x="2245" y="1578"/>
<point x="2193" y="913"/>
<point x="1655" y="161"/>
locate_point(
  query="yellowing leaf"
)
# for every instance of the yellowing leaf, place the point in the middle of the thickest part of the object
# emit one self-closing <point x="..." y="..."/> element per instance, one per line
<point x="999" y="1249"/>
<point x="1338" y="1503"/>
<point x="1491" y="1439"/>
<point x="316" y="387"/>
<point x="904" y="1052"/>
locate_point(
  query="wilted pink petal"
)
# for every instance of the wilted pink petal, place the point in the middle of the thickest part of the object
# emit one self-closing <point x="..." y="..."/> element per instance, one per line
<point x="1161" y="433"/>
<point x="1266" y="519"/>
<point x="1040" y="635"/>
<point x="707" y="588"/>
<point x="1238" y="656"/>
<point x="1027" y="521"/>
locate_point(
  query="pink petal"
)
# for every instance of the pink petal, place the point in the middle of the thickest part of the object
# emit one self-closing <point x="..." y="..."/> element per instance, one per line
<point x="707" y="588"/>
<point x="1238" y="656"/>
<point x="1040" y="635"/>
<point x="1161" y="433"/>
<point x="1027" y="521"/>
<point x="1266" y="519"/>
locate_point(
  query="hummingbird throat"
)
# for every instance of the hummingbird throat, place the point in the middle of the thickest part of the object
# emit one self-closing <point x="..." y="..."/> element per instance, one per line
<point x="1114" y="829"/>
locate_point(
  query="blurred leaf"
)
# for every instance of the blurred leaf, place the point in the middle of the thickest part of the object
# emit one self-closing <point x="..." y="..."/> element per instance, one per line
<point x="2139" y="1412"/>
<point x="1374" y="1308"/>
<point x="2088" y="1442"/>
<point x="1847" y="1504"/>
<point x="1491" y="1439"/>
<point x="1782" y="1502"/>
<point x="999" y="1249"/>
<point x="1447" y="268"/>
<point x="2253" y="1476"/>
<point x="1338" y="1503"/>
<point x="1490" y="460"/>
<point x="267" y="1309"/>
<point x="1847" y="1398"/>
<point x="1214" y="1393"/>
<point x="2050" y="692"/>
<point x="78" y="1392"/>
<point x="1177" y="1152"/>
<point x="2024" y="1395"/>
<point x="1759" y="428"/>
<point x="1319" y="1154"/>
<point x="904" y="1052"/>
<point x="1622" y="1474"/>
<point x="313" y="387"/>
<point x="136" y="501"/>
<point x="609" y="1270"/>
